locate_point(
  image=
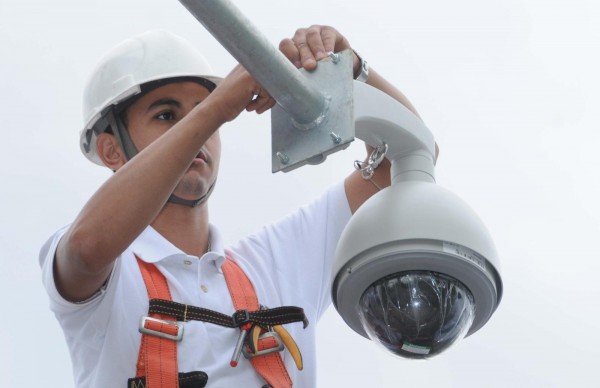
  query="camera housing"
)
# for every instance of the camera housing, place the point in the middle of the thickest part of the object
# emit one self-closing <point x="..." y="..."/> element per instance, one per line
<point x="414" y="232"/>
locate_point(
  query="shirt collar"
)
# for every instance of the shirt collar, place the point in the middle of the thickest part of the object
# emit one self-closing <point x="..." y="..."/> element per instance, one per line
<point x="152" y="247"/>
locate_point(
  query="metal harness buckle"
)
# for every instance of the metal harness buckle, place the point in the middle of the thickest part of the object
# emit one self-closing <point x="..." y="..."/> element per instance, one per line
<point x="175" y="337"/>
<point x="278" y="348"/>
<point x="240" y="317"/>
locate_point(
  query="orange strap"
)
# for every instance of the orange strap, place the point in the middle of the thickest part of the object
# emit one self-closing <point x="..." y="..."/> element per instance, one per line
<point x="157" y="359"/>
<point x="269" y="366"/>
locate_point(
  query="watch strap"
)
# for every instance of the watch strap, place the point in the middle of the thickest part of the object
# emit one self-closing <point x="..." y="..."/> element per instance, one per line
<point x="363" y="71"/>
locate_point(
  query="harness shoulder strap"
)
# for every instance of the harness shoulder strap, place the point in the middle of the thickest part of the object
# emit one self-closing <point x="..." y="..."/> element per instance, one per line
<point x="157" y="359"/>
<point x="269" y="366"/>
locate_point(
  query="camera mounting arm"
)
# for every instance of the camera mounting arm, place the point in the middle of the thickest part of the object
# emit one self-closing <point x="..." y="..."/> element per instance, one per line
<point x="313" y="116"/>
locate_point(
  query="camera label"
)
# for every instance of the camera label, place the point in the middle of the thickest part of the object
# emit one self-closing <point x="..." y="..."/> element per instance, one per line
<point x="465" y="253"/>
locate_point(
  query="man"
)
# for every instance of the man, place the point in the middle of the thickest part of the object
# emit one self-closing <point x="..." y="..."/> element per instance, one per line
<point x="156" y="125"/>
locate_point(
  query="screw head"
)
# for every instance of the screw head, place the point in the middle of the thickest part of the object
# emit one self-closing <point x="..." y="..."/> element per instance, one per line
<point x="335" y="137"/>
<point x="283" y="158"/>
<point x="335" y="58"/>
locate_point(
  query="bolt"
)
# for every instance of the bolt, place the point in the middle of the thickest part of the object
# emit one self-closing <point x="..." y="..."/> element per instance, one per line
<point x="335" y="137"/>
<point x="334" y="57"/>
<point x="283" y="158"/>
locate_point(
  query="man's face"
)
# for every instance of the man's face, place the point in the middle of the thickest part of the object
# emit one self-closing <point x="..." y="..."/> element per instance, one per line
<point x="156" y="112"/>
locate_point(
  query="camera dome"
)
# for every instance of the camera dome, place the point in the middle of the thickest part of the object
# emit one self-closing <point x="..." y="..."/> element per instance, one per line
<point x="416" y="314"/>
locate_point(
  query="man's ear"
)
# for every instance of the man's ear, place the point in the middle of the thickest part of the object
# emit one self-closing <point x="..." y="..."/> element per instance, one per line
<point x="110" y="151"/>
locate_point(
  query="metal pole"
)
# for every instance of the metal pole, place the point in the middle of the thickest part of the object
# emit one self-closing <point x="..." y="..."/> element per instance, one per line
<point x="304" y="102"/>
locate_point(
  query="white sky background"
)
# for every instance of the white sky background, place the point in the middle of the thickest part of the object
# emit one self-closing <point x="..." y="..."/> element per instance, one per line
<point x="510" y="90"/>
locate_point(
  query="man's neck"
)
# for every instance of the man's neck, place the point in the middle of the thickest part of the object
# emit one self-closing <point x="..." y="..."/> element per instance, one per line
<point x="184" y="227"/>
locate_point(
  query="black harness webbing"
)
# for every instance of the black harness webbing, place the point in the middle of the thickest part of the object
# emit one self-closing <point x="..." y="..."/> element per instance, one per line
<point x="186" y="380"/>
<point x="264" y="318"/>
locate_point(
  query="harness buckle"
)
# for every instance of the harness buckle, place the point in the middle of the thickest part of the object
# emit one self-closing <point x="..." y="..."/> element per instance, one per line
<point x="269" y="334"/>
<point x="175" y="337"/>
<point x="240" y="317"/>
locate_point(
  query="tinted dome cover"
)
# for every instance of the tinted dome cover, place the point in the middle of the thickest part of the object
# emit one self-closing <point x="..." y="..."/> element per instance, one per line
<point x="416" y="314"/>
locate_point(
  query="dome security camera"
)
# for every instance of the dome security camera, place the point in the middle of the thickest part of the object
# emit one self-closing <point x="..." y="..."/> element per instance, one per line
<point x="415" y="269"/>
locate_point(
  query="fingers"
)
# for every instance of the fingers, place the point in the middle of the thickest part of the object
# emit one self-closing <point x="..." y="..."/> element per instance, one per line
<point x="261" y="103"/>
<point x="303" y="44"/>
<point x="237" y="92"/>
<point x="315" y="42"/>
<point x="312" y="44"/>
<point x="331" y="38"/>
<point x="259" y="99"/>
<point x="289" y="49"/>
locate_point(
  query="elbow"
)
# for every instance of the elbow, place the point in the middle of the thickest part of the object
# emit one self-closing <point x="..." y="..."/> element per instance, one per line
<point x="83" y="250"/>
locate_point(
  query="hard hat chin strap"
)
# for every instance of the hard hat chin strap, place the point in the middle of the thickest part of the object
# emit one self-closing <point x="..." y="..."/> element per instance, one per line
<point x="191" y="202"/>
<point x="122" y="134"/>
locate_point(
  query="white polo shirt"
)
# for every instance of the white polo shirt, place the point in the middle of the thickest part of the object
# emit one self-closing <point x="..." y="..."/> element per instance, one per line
<point x="288" y="262"/>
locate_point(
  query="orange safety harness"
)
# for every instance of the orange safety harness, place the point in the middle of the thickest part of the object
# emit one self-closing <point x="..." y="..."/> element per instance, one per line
<point x="162" y="328"/>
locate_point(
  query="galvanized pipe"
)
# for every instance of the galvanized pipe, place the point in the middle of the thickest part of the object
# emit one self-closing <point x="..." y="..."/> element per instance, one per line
<point x="304" y="102"/>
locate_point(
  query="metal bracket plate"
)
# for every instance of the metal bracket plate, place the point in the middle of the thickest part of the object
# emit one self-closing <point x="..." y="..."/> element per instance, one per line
<point x="294" y="146"/>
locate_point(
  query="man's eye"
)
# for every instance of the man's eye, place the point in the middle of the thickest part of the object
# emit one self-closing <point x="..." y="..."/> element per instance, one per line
<point x="165" y="116"/>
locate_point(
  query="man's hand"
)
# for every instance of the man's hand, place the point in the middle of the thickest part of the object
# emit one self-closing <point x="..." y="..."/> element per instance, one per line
<point x="239" y="91"/>
<point x="312" y="44"/>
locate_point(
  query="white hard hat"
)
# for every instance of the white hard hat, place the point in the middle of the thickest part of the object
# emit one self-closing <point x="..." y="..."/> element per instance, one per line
<point x="151" y="56"/>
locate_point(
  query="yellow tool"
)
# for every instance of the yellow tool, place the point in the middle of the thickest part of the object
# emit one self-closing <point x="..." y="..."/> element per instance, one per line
<point x="290" y="344"/>
<point x="286" y="338"/>
<point x="253" y="340"/>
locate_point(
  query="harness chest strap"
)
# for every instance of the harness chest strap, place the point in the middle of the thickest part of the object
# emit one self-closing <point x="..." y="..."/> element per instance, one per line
<point x="157" y="359"/>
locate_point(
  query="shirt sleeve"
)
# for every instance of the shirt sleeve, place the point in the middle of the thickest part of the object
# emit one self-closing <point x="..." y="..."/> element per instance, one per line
<point x="297" y="252"/>
<point x="72" y="315"/>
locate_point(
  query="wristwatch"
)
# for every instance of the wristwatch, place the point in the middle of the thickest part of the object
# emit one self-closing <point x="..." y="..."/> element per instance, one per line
<point x="363" y="71"/>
